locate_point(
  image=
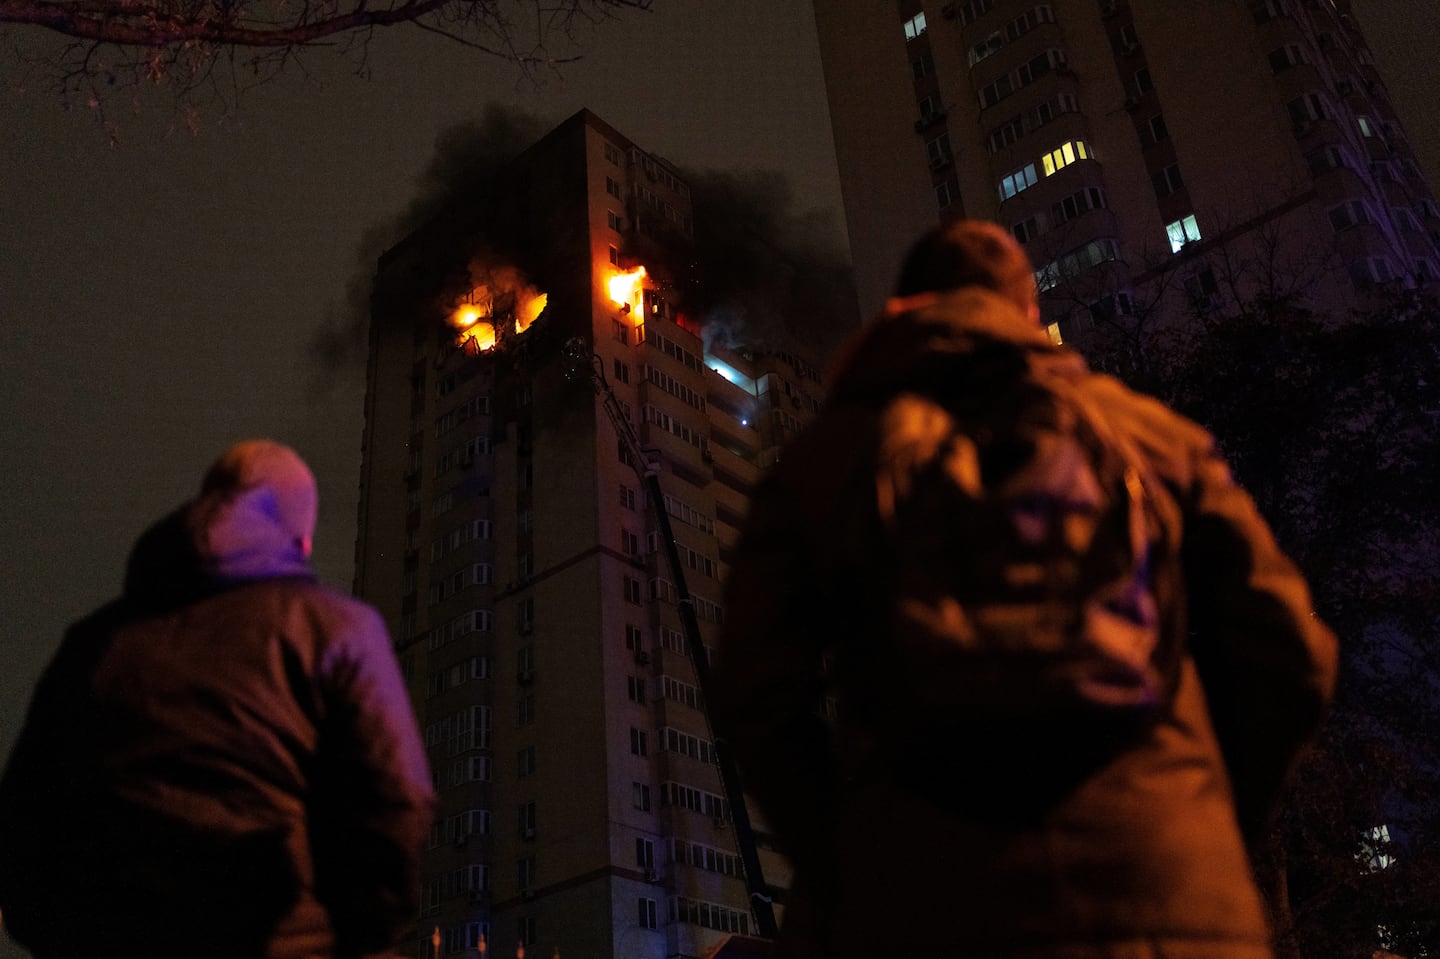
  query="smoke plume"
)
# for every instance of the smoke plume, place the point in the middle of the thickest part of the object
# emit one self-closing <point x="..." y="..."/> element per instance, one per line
<point x="460" y="176"/>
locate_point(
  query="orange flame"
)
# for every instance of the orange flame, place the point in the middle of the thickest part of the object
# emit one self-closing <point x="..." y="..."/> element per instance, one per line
<point x="473" y="328"/>
<point x="625" y="290"/>
<point x="527" y="311"/>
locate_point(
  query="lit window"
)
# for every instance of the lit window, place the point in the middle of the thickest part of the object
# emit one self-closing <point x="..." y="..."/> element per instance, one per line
<point x="1367" y="129"/>
<point x="1021" y="179"/>
<point x="915" y="26"/>
<point x="1053" y="331"/>
<point x="1064" y="155"/>
<point x="1182" y="232"/>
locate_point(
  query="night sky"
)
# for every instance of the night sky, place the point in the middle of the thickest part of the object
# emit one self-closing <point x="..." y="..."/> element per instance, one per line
<point x="156" y="299"/>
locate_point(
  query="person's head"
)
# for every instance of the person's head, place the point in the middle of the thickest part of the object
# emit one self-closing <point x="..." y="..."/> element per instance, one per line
<point x="970" y="253"/>
<point x="264" y="463"/>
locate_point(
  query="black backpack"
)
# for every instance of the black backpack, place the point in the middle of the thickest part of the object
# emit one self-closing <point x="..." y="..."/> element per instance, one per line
<point x="1019" y="543"/>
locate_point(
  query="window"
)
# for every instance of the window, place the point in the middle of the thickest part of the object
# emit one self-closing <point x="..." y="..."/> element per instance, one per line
<point x="915" y="26"/>
<point x="525" y="762"/>
<point x="938" y="150"/>
<point x="644" y="853"/>
<point x="1021" y="179"/>
<point x="1371" y="271"/>
<point x="612" y="187"/>
<point x="947" y="194"/>
<point x="1182" y="231"/>
<point x="1367" y="128"/>
<point x="930" y="108"/>
<point x="972" y="10"/>
<point x="1155" y="130"/>
<point x="1283" y="58"/>
<point x="1305" y="110"/>
<point x="622" y="371"/>
<point x="635" y="689"/>
<point x="1075" y="262"/>
<point x="1140" y="83"/>
<point x="647" y="918"/>
<point x="525" y="820"/>
<point x="612" y="153"/>
<point x="527" y="932"/>
<point x="525" y="709"/>
<point x="632" y="591"/>
<point x="612" y="219"/>
<point x="1348" y="214"/>
<point x="922" y="66"/>
<point x="1064" y="155"/>
<point x="470" y="769"/>
<point x="614" y="256"/>
<point x="1201" y="289"/>
<point x="638" y="745"/>
<point x="1127" y="41"/>
<point x="629" y="543"/>
<point x="1167" y="181"/>
<point x="1266" y="10"/>
<point x="621" y="332"/>
<point x="1026" y="230"/>
<point x="987" y="47"/>
<point x="634" y="638"/>
<point x="640" y="796"/>
<point x="627" y="497"/>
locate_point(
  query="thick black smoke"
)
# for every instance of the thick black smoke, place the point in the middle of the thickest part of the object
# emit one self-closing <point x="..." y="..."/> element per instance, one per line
<point x="766" y="273"/>
<point x="460" y="176"/>
<point x="760" y="266"/>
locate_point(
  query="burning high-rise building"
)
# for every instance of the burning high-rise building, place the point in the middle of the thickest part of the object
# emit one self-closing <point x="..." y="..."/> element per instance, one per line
<point x="1148" y="153"/>
<point x="504" y="535"/>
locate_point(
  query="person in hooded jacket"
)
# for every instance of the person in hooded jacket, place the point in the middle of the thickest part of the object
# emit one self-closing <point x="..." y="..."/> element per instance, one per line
<point x="1018" y="839"/>
<point x="223" y="761"/>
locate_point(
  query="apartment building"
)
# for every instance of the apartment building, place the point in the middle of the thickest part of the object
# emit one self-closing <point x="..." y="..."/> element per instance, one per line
<point x="505" y="538"/>
<point x="1151" y="155"/>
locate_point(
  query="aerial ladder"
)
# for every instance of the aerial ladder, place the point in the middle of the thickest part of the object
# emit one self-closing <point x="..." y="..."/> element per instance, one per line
<point x="581" y="361"/>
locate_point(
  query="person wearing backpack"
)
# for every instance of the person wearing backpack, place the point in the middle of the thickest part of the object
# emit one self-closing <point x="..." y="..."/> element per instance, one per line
<point x="1011" y="665"/>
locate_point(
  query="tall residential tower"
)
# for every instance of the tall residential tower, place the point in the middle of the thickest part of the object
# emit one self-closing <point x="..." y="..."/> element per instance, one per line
<point x="1175" y="155"/>
<point x="503" y="534"/>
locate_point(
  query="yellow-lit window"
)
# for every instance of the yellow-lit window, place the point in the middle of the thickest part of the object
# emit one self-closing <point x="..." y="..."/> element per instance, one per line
<point x="1064" y="155"/>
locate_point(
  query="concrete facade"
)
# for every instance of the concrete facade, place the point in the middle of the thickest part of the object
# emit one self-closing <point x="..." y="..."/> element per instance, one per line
<point x="505" y="540"/>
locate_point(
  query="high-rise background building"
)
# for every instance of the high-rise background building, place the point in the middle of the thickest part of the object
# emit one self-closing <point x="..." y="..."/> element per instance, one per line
<point x="504" y="536"/>
<point x="1151" y="155"/>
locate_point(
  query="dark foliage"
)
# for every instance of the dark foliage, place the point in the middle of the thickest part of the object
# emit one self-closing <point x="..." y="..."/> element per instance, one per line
<point x="1333" y="424"/>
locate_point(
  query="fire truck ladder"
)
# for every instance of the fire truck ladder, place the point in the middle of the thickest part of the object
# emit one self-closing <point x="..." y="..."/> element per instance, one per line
<point x="761" y="901"/>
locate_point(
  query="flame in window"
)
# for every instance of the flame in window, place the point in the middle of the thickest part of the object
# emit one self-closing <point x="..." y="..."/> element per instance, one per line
<point x="626" y="291"/>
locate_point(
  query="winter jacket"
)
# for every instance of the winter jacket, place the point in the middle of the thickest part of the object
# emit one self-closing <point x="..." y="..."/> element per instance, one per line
<point x="962" y="840"/>
<point x="223" y="762"/>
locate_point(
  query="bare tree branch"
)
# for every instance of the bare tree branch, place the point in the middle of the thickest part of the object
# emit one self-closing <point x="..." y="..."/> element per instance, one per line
<point x="117" y="44"/>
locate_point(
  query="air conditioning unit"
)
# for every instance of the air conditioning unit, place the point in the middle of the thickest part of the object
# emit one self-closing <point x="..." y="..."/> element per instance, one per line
<point x="651" y="875"/>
